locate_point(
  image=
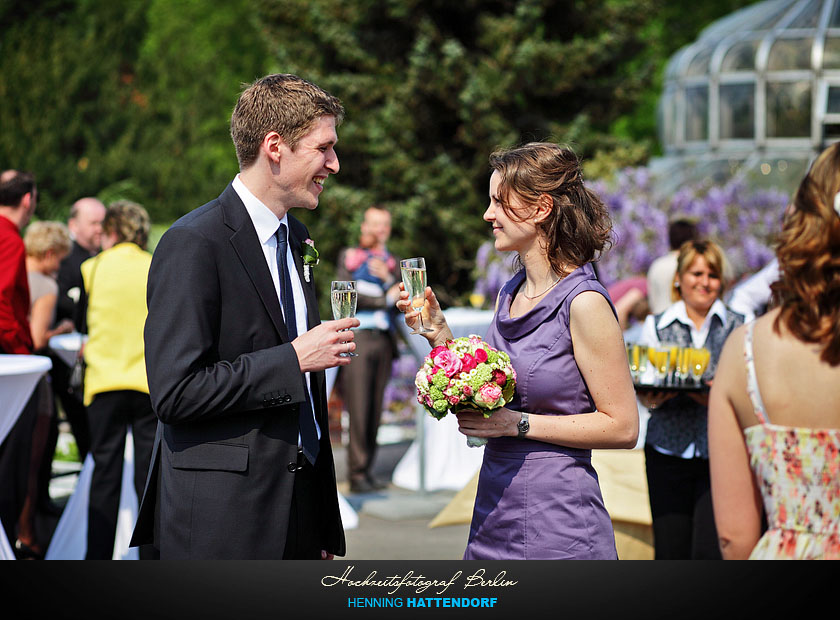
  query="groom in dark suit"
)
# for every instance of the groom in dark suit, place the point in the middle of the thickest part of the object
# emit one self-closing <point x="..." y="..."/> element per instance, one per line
<point x="236" y="351"/>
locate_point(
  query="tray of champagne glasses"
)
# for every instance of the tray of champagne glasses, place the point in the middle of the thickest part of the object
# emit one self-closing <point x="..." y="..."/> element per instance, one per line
<point x="689" y="386"/>
<point x="667" y="367"/>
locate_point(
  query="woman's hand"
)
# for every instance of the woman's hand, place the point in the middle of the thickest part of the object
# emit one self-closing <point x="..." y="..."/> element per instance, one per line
<point x="64" y="327"/>
<point x="501" y="423"/>
<point x="654" y="398"/>
<point x="432" y="316"/>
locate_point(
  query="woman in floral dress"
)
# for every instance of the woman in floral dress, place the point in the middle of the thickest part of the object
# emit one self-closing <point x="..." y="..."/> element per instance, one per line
<point x="774" y="412"/>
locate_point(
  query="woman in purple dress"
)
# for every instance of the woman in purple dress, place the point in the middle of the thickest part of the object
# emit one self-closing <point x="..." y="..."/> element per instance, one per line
<point x="538" y="494"/>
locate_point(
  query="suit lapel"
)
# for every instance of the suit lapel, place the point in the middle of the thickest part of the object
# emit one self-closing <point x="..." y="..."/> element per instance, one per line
<point x="247" y="247"/>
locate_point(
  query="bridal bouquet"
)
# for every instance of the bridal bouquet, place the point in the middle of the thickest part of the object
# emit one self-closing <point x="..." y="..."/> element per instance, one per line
<point x="465" y="373"/>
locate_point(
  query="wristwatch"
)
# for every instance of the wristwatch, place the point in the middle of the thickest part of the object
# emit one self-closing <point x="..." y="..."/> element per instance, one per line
<point x="523" y="426"/>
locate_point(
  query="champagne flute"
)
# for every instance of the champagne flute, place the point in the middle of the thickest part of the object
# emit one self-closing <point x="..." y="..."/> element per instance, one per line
<point x="683" y="356"/>
<point x="414" y="279"/>
<point x="343" y="298"/>
<point x="662" y="364"/>
<point x="699" y="361"/>
<point x="672" y="369"/>
<point x="638" y="362"/>
<point x="636" y="357"/>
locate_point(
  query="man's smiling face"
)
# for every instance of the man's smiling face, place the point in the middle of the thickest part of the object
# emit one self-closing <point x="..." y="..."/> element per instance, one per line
<point x="304" y="169"/>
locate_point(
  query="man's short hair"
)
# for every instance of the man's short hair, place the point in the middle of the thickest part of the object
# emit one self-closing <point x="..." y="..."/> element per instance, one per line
<point x="14" y="185"/>
<point x="279" y="102"/>
<point x="680" y="231"/>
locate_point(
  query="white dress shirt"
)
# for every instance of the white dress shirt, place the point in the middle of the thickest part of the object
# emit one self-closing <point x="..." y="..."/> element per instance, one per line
<point x="266" y="224"/>
<point x="660" y="277"/>
<point x="678" y="312"/>
<point x="752" y="296"/>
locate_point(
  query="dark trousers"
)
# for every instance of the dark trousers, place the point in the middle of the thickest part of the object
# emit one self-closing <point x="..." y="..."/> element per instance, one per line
<point x="15" y="452"/>
<point x="303" y="538"/>
<point x="76" y="415"/>
<point x="363" y="386"/>
<point x="110" y="414"/>
<point x="73" y="407"/>
<point x="681" y="507"/>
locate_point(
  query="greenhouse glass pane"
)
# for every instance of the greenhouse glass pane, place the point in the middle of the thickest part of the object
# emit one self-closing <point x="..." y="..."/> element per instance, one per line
<point x="740" y="57"/>
<point x="669" y="106"/>
<point x="831" y="55"/>
<point x="696" y="113"/>
<point x="789" y="109"/>
<point x="834" y="22"/>
<point x="790" y="54"/>
<point x="770" y="15"/>
<point x="809" y="16"/>
<point x="737" y="111"/>
<point x="699" y="65"/>
<point x="833" y="103"/>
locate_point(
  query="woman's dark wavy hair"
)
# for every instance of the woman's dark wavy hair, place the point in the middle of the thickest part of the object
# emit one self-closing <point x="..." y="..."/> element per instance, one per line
<point x="579" y="228"/>
<point x="808" y="289"/>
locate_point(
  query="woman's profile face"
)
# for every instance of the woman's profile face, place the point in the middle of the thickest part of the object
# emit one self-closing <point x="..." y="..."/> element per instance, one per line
<point x="510" y="234"/>
<point x="699" y="285"/>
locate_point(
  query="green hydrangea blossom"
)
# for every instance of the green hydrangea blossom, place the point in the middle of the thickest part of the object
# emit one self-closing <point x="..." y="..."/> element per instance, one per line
<point x="440" y="380"/>
<point x="479" y="376"/>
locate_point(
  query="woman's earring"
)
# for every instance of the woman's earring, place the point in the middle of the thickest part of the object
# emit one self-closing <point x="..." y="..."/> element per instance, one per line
<point x="676" y="285"/>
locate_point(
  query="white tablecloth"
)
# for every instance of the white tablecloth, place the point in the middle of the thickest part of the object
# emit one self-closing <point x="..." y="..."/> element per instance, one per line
<point x="67" y="346"/>
<point x="449" y="463"/>
<point x="69" y="541"/>
<point x="19" y="374"/>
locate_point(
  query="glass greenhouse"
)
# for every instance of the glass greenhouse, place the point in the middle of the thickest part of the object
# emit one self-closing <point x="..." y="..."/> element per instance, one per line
<point x="759" y="91"/>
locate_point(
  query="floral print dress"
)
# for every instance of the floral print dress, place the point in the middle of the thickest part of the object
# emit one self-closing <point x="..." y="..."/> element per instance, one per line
<point x="798" y="473"/>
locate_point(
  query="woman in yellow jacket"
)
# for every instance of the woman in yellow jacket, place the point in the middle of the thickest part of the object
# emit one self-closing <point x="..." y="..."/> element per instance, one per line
<point x="116" y="391"/>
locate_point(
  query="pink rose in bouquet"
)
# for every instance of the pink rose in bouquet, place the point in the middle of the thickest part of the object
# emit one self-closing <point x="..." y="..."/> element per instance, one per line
<point x="466" y="373"/>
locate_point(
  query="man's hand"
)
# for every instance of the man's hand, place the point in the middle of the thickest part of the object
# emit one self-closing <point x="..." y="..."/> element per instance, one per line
<point x="379" y="269"/>
<point x="321" y="347"/>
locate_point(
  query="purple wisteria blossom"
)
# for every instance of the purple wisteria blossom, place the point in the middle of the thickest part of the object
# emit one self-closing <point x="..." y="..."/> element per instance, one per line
<point x="743" y="221"/>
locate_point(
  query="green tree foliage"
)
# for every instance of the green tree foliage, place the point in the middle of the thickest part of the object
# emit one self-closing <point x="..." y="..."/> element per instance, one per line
<point x="67" y="109"/>
<point x="193" y="59"/>
<point x="124" y="99"/>
<point x="431" y="88"/>
<point x="132" y="98"/>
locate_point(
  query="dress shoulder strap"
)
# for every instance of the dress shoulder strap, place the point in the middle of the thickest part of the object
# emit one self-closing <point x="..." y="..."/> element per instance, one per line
<point x="752" y="381"/>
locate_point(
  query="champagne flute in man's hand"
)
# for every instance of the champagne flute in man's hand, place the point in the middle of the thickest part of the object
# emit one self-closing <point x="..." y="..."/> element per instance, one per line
<point x="414" y="279"/>
<point x="343" y="299"/>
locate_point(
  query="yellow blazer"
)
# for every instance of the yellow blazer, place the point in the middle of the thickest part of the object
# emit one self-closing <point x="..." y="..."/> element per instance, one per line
<point x="115" y="282"/>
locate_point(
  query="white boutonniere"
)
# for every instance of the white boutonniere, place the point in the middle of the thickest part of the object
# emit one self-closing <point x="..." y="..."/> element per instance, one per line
<point x="310" y="258"/>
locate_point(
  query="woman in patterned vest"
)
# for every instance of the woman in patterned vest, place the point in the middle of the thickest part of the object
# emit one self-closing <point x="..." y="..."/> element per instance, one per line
<point x="676" y="443"/>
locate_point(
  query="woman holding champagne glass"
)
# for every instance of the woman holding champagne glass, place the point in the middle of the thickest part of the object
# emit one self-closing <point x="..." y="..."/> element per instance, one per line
<point x="676" y="446"/>
<point x="538" y="496"/>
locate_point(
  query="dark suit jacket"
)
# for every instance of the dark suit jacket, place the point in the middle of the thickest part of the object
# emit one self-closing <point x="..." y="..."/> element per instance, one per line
<point x="226" y="386"/>
<point x="70" y="277"/>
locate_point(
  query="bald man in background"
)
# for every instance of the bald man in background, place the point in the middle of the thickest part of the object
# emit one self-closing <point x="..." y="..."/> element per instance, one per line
<point x="85" y="224"/>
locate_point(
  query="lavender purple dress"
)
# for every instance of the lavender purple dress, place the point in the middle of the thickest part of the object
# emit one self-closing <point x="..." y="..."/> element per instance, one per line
<point x="535" y="500"/>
